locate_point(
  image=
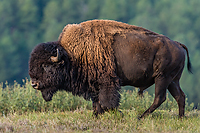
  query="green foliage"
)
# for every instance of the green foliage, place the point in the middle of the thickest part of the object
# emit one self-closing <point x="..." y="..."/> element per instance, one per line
<point x="27" y="23"/>
<point x="21" y="99"/>
<point x="23" y="109"/>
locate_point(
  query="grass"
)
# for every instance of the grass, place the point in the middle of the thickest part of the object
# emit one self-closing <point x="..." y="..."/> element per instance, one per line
<point x="23" y="109"/>
<point x="83" y="121"/>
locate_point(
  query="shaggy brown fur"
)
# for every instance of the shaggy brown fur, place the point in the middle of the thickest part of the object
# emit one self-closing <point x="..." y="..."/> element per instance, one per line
<point x="90" y="42"/>
<point x="94" y="58"/>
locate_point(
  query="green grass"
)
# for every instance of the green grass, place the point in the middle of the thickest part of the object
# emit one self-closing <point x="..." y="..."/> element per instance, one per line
<point x="23" y="109"/>
<point x="81" y="120"/>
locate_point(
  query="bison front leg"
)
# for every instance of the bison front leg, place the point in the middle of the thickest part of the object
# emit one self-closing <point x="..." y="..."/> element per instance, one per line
<point x="108" y="99"/>
<point x="97" y="109"/>
<point x="161" y="85"/>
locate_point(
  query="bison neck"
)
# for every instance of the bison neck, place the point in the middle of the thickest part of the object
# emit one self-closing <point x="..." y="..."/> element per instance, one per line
<point x="77" y="82"/>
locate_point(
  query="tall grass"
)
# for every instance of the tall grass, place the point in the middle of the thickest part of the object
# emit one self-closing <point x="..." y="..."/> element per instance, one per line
<point x="23" y="98"/>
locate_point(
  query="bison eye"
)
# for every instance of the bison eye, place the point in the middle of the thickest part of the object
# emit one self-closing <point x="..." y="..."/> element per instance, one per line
<point x="46" y="67"/>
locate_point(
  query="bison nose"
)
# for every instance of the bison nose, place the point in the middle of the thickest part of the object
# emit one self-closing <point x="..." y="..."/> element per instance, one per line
<point x="34" y="85"/>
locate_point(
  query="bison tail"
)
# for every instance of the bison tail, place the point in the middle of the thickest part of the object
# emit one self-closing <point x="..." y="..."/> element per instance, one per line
<point x="189" y="65"/>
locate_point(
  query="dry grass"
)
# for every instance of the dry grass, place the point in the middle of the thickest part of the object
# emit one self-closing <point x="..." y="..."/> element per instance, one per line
<point x="22" y="109"/>
<point x="83" y="121"/>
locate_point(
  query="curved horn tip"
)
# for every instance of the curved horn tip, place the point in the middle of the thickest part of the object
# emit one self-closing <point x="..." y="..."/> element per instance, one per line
<point x="57" y="58"/>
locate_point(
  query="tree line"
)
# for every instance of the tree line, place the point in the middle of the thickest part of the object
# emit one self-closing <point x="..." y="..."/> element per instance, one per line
<point x="25" y="23"/>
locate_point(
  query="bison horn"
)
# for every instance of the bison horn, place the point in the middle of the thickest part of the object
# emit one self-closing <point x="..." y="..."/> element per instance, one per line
<point x="57" y="58"/>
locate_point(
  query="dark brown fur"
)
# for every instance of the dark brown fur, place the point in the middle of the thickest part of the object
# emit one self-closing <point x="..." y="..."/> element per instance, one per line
<point x="99" y="56"/>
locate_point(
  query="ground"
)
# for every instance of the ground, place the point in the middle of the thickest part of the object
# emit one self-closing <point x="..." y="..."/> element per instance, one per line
<point x="82" y="120"/>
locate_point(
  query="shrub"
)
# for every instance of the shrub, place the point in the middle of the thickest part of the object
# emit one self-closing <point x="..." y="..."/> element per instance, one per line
<point x="23" y="98"/>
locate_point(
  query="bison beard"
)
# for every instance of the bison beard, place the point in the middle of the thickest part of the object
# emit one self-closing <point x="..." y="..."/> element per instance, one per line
<point x="47" y="94"/>
<point x="95" y="58"/>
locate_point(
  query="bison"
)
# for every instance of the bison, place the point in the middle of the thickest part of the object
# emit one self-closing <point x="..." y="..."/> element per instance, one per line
<point x="95" y="58"/>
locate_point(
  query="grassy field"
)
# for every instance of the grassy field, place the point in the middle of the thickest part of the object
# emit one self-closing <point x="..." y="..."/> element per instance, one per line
<point x="23" y="109"/>
<point x="82" y="120"/>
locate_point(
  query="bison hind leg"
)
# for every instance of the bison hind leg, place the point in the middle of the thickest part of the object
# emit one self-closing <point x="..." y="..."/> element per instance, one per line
<point x="179" y="96"/>
<point x="175" y="90"/>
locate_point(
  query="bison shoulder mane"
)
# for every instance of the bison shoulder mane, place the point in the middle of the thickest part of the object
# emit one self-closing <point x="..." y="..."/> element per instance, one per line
<point x="89" y="45"/>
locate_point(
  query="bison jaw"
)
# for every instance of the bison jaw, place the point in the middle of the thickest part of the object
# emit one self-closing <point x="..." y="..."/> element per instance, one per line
<point x="47" y="94"/>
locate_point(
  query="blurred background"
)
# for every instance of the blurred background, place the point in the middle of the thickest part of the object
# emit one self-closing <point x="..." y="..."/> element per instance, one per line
<point x="25" y="23"/>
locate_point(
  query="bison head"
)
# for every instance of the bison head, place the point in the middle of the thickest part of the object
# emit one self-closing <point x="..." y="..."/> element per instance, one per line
<point x="47" y="69"/>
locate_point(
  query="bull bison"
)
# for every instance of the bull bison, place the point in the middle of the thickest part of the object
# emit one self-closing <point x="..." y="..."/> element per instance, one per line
<point x="95" y="58"/>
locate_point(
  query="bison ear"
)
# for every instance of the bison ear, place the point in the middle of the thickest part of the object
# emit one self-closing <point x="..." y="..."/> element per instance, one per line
<point x="57" y="58"/>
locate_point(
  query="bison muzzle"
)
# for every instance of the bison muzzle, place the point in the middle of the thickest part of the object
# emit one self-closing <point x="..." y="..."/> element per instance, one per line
<point x="95" y="58"/>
